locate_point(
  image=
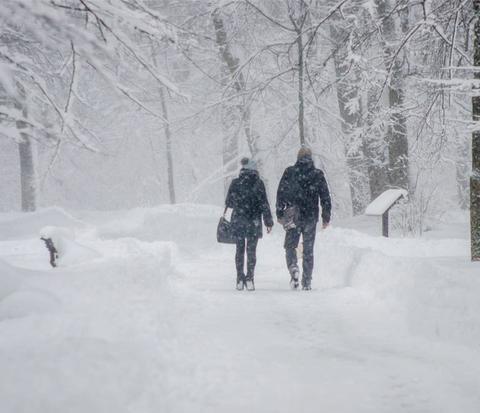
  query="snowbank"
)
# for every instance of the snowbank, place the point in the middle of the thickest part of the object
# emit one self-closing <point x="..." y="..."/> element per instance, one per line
<point x="100" y="345"/>
<point x="399" y="247"/>
<point x="28" y="225"/>
<point x="10" y="279"/>
<point x="27" y="302"/>
<point x="17" y="298"/>
<point x="188" y="225"/>
<point x="122" y="333"/>
<point x="429" y="284"/>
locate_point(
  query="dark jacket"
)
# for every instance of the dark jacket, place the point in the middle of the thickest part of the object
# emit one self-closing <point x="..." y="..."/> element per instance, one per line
<point x="248" y="199"/>
<point x="304" y="185"/>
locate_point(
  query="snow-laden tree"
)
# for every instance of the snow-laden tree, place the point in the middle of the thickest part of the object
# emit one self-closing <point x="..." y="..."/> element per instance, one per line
<point x="44" y="45"/>
<point x="379" y="89"/>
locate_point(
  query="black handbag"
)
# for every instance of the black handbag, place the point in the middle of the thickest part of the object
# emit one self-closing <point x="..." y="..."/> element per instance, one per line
<point x="225" y="233"/>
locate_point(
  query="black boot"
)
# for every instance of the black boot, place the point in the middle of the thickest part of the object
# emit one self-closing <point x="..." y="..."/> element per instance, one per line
<point x="294" y="274"/>
<point x="240" y="282"/>
<point x="306" y="283"/>
<point x="249" y="282"/>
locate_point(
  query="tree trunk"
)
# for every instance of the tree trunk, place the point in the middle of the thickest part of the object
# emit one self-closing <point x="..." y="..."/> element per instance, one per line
<point x="301" y="114"/>
<point x="375" y="148"/>
<point x="297" y="13"/>
<point x="397" y="131"/>
<point x="168" y="136"/>
<point x="27" y="171"/>
<point x="475" y="178"/>
<point x="462" y="173"/>
<point x="229" y="118"/>
<point x="230" y="150"/>
<point x="348" y="92"/>
<point x="28" y="178"/>
<point x="397" y="135"/>
<point x="236" y="116"/>
<point x="168" y="147"/>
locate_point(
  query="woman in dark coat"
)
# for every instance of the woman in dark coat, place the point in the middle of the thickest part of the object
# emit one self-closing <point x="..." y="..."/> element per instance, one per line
<point x="248" y="199"/>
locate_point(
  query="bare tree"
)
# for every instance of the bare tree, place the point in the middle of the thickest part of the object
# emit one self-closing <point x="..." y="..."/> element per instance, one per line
<point x="168" y="147"/>
<point x="168" y="133"/>
<point x="298" y="13"/>
<point x="230" y="116"/>
<point x="38" y="36"/>
<point x="300" y="27"/>
<point x="237" y="113"/>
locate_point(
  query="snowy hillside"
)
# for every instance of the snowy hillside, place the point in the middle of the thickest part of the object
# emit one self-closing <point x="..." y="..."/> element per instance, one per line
<point x="149" y="321"/>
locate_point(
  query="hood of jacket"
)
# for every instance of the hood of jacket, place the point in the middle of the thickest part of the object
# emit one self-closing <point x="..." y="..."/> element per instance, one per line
<point x="248" y="175"/>
<point x="305" y="163"/>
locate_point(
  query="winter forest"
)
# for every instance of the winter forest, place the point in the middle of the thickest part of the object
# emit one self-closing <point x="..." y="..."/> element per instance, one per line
<point x="122" y="126"/>
<point x="180" y="90"/>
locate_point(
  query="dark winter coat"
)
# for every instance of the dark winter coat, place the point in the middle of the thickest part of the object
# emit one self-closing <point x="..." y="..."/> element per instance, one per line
<point x="304" y="185"/>
<point x="248" y="199"/>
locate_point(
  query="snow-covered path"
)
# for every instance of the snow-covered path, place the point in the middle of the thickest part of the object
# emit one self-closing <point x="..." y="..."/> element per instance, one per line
<point x="156" y="327"/>
<point x="330" y="349"/>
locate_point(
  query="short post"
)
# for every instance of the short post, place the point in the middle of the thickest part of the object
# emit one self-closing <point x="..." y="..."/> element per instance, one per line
<point x="385" y="223"/>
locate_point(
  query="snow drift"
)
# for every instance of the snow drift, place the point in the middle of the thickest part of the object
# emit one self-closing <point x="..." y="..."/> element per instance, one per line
<point x="430" y="283"/>
<point x="145" y="325"/>
<point x="188" y="225"/>
<point x="18" y="298"/>
<point x="18" y="226"/>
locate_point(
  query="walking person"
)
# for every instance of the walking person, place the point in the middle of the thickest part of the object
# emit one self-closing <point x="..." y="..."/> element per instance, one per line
<point x="248" y="199"/>
<point x="301" y="188"/>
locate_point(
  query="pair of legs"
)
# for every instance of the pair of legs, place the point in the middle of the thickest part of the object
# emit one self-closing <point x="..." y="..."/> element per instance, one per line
<point x="307" y="230"/>
<point x="249" y="245"/>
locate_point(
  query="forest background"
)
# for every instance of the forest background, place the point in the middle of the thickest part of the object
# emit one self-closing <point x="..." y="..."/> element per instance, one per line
<point x="125" y="103"/>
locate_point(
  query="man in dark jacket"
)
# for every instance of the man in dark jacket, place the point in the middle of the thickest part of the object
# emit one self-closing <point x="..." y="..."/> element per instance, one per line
<point x="248" y="199"/>
<point x="301" y="187"/>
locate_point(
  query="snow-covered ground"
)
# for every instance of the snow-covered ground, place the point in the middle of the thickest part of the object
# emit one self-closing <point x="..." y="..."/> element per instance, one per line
<point x="143" y="317"/>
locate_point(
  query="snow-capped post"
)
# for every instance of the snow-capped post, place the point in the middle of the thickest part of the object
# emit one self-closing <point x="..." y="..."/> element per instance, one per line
<point x="475" y="177"/>
<point x="383" y="203"/>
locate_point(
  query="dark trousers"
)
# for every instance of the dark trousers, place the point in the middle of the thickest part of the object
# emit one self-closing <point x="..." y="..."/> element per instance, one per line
<point x="292" y="237"/>
<point x="251" y="247"/>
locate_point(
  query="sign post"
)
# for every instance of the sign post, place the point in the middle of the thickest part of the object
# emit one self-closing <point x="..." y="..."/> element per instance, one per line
<point x="382" y="205"/>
